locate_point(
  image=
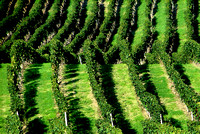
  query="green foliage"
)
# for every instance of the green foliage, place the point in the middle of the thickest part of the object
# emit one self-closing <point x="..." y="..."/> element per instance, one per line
<point x="149" y="101"/>
<point x="56" y="57"/>
<point x="44" y="30"/>
<point x="92" y="10"/>
<point x="105" y="127"/>
<point x="187" y="94"/>
<point x="194" y="127"/>
<point x="93" y="69"/>
<point x="100" y="41"/>
<point x="150" y="126"/>
<point x="68" y="27"/>
<point x="170" y="29"/>
<point x="151" y="58"/>
<point x="189" y="19"/>
<point x="3" y="8"/>
<point x="189" y="52"/>
<point x="57" y="126"/>
<point x="18" y="55"/>
<point x="139" y="49"/>
<point x="16" y="102"/>
<point x="13" y="125"/>
<point x="122" y="30"/>
<point x="10" y="21"/>
<point x="29" y="22"/>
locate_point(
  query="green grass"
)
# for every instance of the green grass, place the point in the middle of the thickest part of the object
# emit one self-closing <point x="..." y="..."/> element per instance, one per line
<point x="182" y="28"/>
<point x="167" y="98"/>
<point x="127" y="97"/>
<point x="45" y="98"/>
<point x="123" y="10"/>
<point x="198" y="18"/>
<point x="4" y="97"/>
<point x="38" y="87"/>
<point x="193" y="74"/>
<point x="161" y="20"/>
<point x="140" y="24"/>
<point x="77" y="84"/>
<point x="84" y="107"/>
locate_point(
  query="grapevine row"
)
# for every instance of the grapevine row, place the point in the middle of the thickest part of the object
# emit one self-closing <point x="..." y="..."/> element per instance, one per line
<point x="148" y="100"/>
<point x="43" y="31"/>
<point x="19" y="54"/>
<point x="68" y="27"/>
<point x="3" y="8"/>
<point x="186" y="93"/>
<point x="191" y="49"/>
<point x="92" y="10"/>
<point x="29" y="22"/>
<point x="104" y="28"/>
<point x="93" y="69"/>
<point x="8" y="23"/>
<point x="58" y="125"/>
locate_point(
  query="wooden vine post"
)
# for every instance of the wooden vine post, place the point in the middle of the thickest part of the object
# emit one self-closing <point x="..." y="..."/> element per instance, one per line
<point x="161" y="121"/>
<point x="111" y="119"/>
<point x="80" y="60"/>
<point x="192" y="116"/>
<point x="66" y="119"/>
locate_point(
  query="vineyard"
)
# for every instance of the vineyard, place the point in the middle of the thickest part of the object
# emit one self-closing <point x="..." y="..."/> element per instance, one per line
<point x="99" y="66"/>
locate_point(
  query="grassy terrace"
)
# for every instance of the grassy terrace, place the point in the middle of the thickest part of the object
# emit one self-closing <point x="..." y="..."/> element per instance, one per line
<point x="127" y="97"/>
<point x="198" y="18"/>
<point x="158" y="78"/>
<point x="160" y="20"/>
<point x="182" y="29"/>
<point x="123" y="10"/>
<point x="4" y="96"/>
<point x="119" y="91"/>
<point x="192" y="73"/>
<point x="38" y="96"/>
<point x="83" y="109"/>
<point x="140" y="24"/>
<point x="167" y="98"/>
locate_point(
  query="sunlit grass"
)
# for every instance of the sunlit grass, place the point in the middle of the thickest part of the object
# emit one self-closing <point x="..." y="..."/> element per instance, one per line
<point x="168" y="99"/>
<point x="4" y="97"/>
<point x="140" y="24"/>
<point x="77" y="82"/>
<point x="193" y="73"/>
<point x="160" y="17"/>
<point x="44" y="97"/>
<point x="126" y="96"/>
<point x="198" y="19"/>
<point x="182" y="27"/>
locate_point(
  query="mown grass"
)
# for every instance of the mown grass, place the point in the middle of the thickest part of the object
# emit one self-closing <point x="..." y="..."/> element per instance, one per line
<point x="198" y="19"/>
<point x="182" y="28"/>
<point x="193" y="74"/>
<point x="38" y="96"/>
<point x="140" y="24"/>
<point x="167" y="98"/>
<point x="4" y="97"/>
<point x="123" y="11"/>
<point x="160" y="17"/>
<point x="127" y="97"/>
<point x="45" y="96"/>
<point x="83" y="109"/>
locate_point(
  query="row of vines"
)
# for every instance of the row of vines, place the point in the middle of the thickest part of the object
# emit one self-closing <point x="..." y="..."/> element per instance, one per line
<point x="97" y="32"/>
